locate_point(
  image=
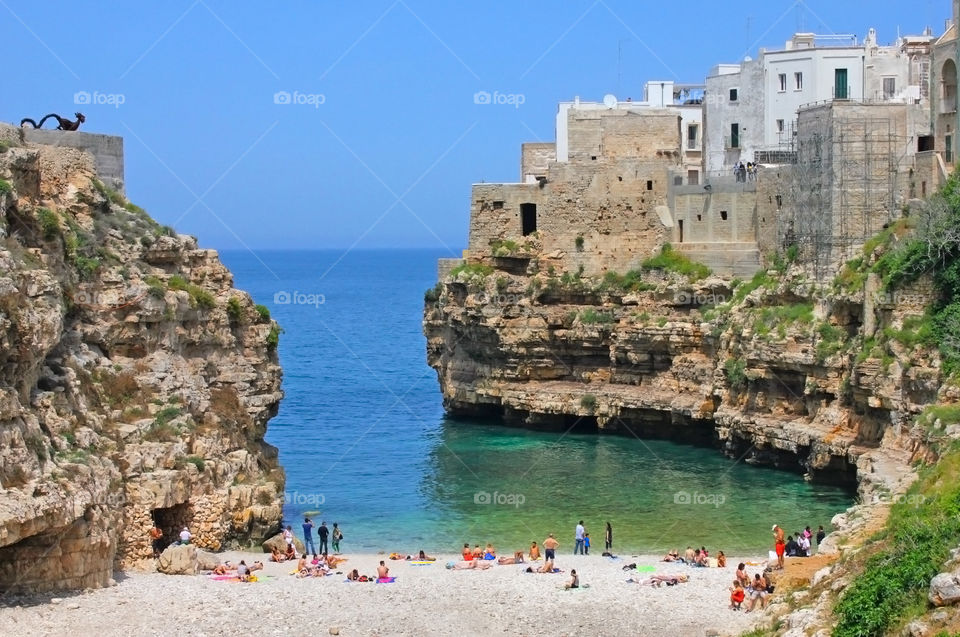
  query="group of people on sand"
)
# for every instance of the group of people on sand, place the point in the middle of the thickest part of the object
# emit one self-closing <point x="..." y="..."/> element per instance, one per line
<point x="242" y="570"/>
<point x="753" y="591"/>
<point x="697" y="557"/>
<point x="797" y="545"/>
<point x="324" y="535"/>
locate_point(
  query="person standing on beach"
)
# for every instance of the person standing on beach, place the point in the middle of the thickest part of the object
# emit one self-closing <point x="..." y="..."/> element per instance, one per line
<point x="578" y="538"/>
<point x="779" y="546"/>
<point x="550" y="548"/>
<point x="323" y="532"/>
<point x="586" y="543"/>
<point x="308" y="546"/>
<point x="820" y="535"/>
<point x="608" y="537"/>
<point x="337" y="536"/>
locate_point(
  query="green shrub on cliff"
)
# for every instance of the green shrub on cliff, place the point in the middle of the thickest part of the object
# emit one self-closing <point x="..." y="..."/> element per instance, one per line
<point x="590" y="316"/>
<point x="198" y="296"/>
<point x="432" y="295"/>
<point x="49" y="223"/>
<point x="262" y="312"/>
<point x="589" y="402"/>
<point x="273" y="337"/>
<point x="632" y="281"/>
<point x="735" y="370"/>
<point x="5" y="187"/>
<point x="471" y="271"/>
<point x="923" y="527"/>
<point x="671" y="261"/>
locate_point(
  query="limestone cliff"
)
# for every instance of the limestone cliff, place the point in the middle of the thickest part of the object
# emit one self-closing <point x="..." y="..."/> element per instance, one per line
<point x="779" y="370"/>
<point x="135" y="382"/>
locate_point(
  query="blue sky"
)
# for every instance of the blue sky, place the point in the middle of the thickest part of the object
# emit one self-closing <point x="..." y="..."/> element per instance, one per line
<point x="387" y="158"/>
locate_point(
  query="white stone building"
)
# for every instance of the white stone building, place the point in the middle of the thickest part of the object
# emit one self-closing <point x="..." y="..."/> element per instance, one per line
<point x="750" y="109"/>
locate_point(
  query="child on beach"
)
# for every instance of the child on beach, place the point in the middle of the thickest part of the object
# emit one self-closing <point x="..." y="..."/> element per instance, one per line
<point x="574" y="580"/>
<point x="736" y="595"/>
<point x="586" y="544"/>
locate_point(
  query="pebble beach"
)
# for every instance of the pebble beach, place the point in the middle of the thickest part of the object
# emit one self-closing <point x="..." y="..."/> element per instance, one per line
<point x="424" y="600"/>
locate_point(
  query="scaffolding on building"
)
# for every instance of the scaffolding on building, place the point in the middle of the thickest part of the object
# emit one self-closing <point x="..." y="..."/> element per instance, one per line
<point x="842" y="188"/>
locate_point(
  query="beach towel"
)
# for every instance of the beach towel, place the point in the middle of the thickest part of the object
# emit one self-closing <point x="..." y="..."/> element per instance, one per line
<point x="386" y="580"/>
<point x="646" y="569"/>
<point x="421" y="562"/>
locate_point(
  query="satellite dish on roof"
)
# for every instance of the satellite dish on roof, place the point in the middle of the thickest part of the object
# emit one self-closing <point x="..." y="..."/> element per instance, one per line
<point x="610" y="100"/>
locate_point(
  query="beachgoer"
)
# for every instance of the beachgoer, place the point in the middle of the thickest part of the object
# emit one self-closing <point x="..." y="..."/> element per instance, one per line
<point x="700" y="558"/>
<point x="534" y="551"/>
<point x="578" y="538"/>
<point x="758" y="592"/>
<point x="703" y="550"/>
<point x="586" y="544"/>
<point x="820" y="535"/>
<point x="608" y="537"/>
<point x="276" y="555"/>
<point x="332" y="561"/>
<point x="382" y="570"/>
<point x="221" y="569"/>
<point x="804" y="543"/>
<point x="477" y="552"/>
<point x="469" y="564"/>
<point x="672" y="556"/>
<point x="354" y="575"/>
<point x="185" y="536"/>
<point x="516" y="559"/>
<point x="308" y="546"/>
<point x="688" y="555"/>
<point x="256" y="566"/>
<point x="550" y="547"/>
<point x="736" y="595"/>
<point x="547" y="567"/>
<point x="323" y="533"/>
<point x="423" y="557"/>
<point x="243" y="572"/>
<point x="779" y="545"/>
<point x="467" y="553"/>
<point x="721" y="560"/>
<point x="490" y="552"/>
<point x="574" y="580"/>
<point x="291" y="553"/>
<point x="156" y="540"/>
<point x="792" y="547"/>
<point x="742" y="576"/>
<point x="807" y="533"/>
<point x="336" y="536"/>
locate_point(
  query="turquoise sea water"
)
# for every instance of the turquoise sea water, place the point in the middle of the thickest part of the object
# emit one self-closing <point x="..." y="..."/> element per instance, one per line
<point x="364" y="439"/>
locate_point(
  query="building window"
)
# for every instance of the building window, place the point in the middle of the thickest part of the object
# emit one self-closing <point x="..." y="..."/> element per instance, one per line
<point x="783" y="82"/>
<point x="498" y="205"/>
<point x="649" y="184"/>
<point x="723" y="215"/>
<point x="889" y="87"/>
<point x="733" y="94"/>
<point x="692" y="136"/>
<point x="798" y="81"/>
<point x="693" y="177"/>
<point x="779" y="125"/>
<point x="948" y="155"/>
<point x="734" y="136"/>
<point x="528" y="218"/>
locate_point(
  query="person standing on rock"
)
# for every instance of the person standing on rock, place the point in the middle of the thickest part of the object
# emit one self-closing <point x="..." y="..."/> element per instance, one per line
<point x="156" y="540"/>
<point x="324" y="533"/>
<point x="308" y="546"/>
<point x="336" y="536"/>
<point x="608" y="537"/>
<point x="820" y="535"/>
<point x="578" y="538"/>
<point x="185" y="536"/>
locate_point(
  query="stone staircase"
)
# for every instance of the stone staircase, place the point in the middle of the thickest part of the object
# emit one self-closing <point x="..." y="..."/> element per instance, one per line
<point x="726" y="258"/>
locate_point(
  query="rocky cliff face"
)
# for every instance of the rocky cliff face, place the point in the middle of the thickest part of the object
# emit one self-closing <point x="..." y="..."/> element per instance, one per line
<point x="135" y="382"/>
<point x="779" y="370"/>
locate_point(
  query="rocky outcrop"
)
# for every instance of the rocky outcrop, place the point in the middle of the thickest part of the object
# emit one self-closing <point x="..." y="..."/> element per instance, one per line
<point x="776" y="371"/>
<point x="135" y="382"/>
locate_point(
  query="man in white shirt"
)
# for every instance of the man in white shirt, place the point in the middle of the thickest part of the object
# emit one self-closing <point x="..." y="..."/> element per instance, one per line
<point x="185" y="536"/>
<point x="578" y="537"/>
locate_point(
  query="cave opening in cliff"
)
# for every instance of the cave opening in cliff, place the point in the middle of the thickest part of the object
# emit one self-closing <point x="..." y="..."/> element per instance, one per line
<point x="172" y="519"/>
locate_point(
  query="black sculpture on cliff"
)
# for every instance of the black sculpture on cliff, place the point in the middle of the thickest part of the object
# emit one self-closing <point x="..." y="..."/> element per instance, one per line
<point x="63" y="123"/>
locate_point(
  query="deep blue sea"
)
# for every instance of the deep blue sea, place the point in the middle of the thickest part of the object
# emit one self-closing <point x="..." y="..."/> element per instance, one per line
<point x="364" y="440"/>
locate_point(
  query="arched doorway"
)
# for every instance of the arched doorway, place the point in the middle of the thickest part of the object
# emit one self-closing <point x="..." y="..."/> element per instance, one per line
<point x="948" y="87"/>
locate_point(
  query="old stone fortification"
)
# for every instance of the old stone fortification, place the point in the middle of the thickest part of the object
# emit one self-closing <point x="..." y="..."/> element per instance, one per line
<point x="135" y="381"/>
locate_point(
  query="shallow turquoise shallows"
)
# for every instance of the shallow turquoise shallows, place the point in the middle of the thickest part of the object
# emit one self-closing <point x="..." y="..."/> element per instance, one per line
<point x="364" y="440"/>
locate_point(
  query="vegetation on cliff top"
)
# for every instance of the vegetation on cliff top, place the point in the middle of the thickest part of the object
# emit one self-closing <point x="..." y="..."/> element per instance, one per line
<point x="670" y="260"/>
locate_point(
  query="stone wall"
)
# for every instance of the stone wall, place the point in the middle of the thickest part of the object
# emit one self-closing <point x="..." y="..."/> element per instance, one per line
<point x="535" y="158"/>
<point x="107" y="151"/>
